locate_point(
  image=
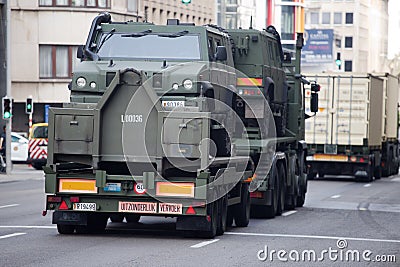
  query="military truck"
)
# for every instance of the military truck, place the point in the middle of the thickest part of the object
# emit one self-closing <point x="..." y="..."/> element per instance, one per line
<point x="356" y="131"/>
<point x="161" y="123"/>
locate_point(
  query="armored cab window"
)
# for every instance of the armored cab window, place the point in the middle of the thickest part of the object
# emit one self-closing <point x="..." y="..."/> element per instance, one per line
<point x="211" y="48"/>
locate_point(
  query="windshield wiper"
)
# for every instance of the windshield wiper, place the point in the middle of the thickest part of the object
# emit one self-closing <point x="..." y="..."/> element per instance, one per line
<point x="106" y="38"/>
<point x="137" y="34"/>
<point x="173" y="35"/>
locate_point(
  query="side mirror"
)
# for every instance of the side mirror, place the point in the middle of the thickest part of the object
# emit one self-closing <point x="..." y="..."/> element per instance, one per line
<point x="79" y="52"/>
<point x="221" y="54"/>
<point x="314" y="102"/>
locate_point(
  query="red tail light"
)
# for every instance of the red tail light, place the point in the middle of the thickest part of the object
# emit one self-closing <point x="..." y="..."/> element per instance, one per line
<point x="53" y="199"/>
<point x="74" y="199"/>
<point x="362" y="160"/>
<point x="256" y="194"/>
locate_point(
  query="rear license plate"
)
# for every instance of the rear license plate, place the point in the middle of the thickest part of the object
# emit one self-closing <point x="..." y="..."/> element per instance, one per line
<point x="84" y="206"/>
<point x="173" y="104"/>
<point x="170" y="208"/>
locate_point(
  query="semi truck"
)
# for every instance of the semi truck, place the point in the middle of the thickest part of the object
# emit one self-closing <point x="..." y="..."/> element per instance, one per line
<point x="356" y="129"/>
<point x="177" y="120"/>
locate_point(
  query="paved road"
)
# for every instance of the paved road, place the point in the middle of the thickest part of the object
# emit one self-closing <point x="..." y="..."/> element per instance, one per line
<point x="364" y="217"/>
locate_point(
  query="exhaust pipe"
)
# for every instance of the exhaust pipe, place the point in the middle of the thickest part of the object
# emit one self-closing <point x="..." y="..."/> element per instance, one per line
<point x="103" y="17"/>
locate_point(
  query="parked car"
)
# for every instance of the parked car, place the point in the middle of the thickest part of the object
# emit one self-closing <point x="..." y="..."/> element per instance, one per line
<point x="19" y="148"/>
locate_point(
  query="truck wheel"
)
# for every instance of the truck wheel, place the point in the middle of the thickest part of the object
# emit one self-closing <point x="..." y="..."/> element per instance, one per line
<point x="302" y="195"/>
<point x="282" y="189"/>
<point x="242" y="210"/>
<point x="229" y="217"/>
<point x="222" y="142"/>
<point x="37" y="166"/>
<point x="132" y="218"/>
<point x="311" y="175"/>
<point x="378" y="172"/>
<point x="212" y="211"/>
<point x="118" y="218"/>
<point x="269" y="211"/>
<point x="65" y="229"/>
<point x="222" y="214"/>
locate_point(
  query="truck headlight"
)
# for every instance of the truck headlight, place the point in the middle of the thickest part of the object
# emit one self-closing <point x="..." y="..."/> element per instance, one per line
<point x="175" y="86"/>
<point x="81" y="82"/>
<point x="92" y="85"/>
<point x="188" y="84"/>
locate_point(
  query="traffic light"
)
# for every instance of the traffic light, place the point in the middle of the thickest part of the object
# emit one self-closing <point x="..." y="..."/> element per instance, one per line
<point x="7" y="108"/>
<point x="29" y="106"/>
<point x="186" y="2"/>
<point x="338" y="61"/>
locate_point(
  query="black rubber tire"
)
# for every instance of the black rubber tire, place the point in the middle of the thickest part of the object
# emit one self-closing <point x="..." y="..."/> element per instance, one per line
<point x="212" y="211"/>
<point x="222" y="142"/>
<point x="377" y="172"/>
<point x="301" y="199"/>
<point x="37" y="166"/>
<point x="264" y="211"/>
<point x="311" y="176"/>
<point x="118" y="218"/>
<point x="229" y="217"/>
<point x="65" y="229"/>
<point x="222" y="214"/>
<point x="242" y="210"/>
<point x="132" y="218"/>
<point x="282" y="189"/>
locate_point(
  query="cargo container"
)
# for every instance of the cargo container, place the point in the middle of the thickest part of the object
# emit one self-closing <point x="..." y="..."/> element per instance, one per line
<point x="355" y="131"/>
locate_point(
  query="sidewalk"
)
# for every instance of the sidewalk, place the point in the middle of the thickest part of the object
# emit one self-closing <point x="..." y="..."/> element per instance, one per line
<point x="21" y="172"/>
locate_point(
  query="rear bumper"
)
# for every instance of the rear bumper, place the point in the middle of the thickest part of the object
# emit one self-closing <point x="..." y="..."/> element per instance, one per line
<point x="337" y="168"/>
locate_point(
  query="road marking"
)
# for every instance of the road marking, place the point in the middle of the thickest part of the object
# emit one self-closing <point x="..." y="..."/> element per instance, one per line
<point x="315" y="237"/>
<point x="362" y="209"/>
<point x="367" y="185"/>
<point x="395" y="179"/>
<point x="205" y="243"/>
<point x="11" y="235"/>
<point x="9" y="206"/>
<point x="336" y="196"/>
<point x="28" y="226"/>
<point x="289" y="213"/>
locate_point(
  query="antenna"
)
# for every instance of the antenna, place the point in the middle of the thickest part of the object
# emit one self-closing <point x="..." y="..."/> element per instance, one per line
<point x="251" y="23"/>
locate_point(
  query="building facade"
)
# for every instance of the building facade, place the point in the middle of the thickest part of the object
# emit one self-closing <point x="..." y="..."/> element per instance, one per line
<point x="45" y="35"/>
<point x="234" y="14"/>
<point x="360" y="33"/>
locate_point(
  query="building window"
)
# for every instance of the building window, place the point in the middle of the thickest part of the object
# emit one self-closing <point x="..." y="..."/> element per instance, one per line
<point x="349" y="18"/>
<point x="76" y="3"/>
<point x="348" y="42"/>
<point x="348" y="65"/>
<point x="56" y="61"/>
<point x="337" y="18"/>
<point x="326" y="18"/>
<point x="314" y="16"/>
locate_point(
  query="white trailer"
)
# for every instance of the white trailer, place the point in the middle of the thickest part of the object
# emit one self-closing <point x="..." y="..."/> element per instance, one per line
<point x="355" y="130"/>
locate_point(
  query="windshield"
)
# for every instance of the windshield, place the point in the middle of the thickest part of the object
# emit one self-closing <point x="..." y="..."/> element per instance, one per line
<point x="150" y="46"/>
<point x="40" y="132"/>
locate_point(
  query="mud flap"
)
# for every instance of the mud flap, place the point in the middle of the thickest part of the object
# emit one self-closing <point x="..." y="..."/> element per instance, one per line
<point x="193" y="223"/>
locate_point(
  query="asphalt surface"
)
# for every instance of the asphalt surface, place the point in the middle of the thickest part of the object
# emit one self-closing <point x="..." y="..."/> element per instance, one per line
<point x="340" y="217"/>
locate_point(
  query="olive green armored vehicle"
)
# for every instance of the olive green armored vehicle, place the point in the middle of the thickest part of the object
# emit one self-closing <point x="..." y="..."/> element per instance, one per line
<point x="175" y="121"/>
